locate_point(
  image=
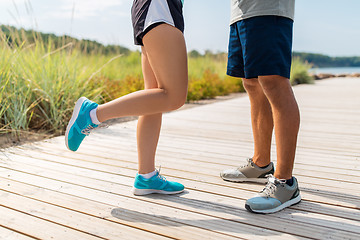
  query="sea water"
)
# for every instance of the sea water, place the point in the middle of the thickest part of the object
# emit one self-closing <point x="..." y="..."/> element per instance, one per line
<point x="336" y="70"/>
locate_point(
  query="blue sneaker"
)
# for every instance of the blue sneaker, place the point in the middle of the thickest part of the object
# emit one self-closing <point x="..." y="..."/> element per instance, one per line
<point x="276" y="196"/>
<point x="155" y="184"/>
<point x="80" y="123"/>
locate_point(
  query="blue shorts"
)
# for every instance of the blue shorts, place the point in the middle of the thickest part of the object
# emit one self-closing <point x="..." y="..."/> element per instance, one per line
<point x="260" y="46"/>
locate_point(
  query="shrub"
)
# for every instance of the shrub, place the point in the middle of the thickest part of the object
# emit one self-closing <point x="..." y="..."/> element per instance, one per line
<point x="39" y="82"/>
<point x="300" y="72"/>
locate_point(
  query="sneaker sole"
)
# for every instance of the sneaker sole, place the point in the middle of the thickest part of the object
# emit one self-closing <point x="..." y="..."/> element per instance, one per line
<point x="74" y="116"/>
<point x="140" y="192"/>
<point x="254" y="180"/>
<point x="289" y="203"/>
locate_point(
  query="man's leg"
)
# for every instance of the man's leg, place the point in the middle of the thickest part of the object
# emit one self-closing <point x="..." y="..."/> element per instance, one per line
<point x="261" y="121"/>
<point x="257" y="168"/>
<point x="282" y="189"/>
<point x="286" y="120"/>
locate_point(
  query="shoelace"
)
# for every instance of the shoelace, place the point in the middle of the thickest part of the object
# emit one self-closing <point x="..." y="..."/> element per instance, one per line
<point x="248" y="161"/>
<point x="162" y="178"/>
<point x="272" y="185"/>
<point x="87" y="130"/>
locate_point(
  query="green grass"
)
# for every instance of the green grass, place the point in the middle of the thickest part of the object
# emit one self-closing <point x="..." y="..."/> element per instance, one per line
<point x="300" y="72"/>
<point x="39" y="83"/>
<point x="39" y="86"/>
<point x="208" y="79"/>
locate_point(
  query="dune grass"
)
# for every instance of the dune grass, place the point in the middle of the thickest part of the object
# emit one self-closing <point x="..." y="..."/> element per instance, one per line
<point x="300" y="72"/>
<point x="39" y="82"/>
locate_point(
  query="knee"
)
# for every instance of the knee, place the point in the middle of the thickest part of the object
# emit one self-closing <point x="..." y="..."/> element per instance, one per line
<point x="176" y="101"/>
<point x="251" y="85"/>
<point x="272" y="84"/>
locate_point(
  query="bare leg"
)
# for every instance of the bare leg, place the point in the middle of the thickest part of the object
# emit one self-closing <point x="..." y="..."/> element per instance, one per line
<point x="286" y="119"/>
<point x="148" y="128"/>
<point x="261" y="121"/>
<point x="166" y="52"/>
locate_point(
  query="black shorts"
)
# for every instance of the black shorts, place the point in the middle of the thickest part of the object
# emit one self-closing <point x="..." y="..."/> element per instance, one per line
<point x="147" y="14"/>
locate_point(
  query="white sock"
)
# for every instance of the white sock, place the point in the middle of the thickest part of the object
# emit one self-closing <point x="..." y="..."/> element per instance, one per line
<point x="148" y="175"/>
<point x="93" y="117"/>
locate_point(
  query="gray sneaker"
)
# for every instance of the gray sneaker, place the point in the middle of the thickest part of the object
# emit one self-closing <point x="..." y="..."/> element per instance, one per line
<point x="249" y="172"/>
<point x="276" y="196"/>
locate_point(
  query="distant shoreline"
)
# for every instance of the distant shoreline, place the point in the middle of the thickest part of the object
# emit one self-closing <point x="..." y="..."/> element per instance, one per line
<point x="330" y="75"/>
<point x="329" y="72"/>
<point x="335" y="70"/>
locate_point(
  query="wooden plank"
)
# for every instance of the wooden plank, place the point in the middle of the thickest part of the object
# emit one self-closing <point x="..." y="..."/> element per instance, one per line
<point x="323" y="183"/>
<point x="197" y="155"/>
<point x="7" y="234"/>
<point x="230" y="150"/>
<point x="250" y="214"/>
<point x="355" y="178"/>
<point x="204" y="156"/>
<point x="85" y="204"/>
<point x="56" y="188"/>
<point x="126" y="137"/>
<point x="71" y="219"/>
<point x="304" y="170"/>
<point x="187" y="143"/>
<point x="243" y="210"/>
<point x="35" y="227"/>
<point x="310" y="192"/>
<point x="314" y="192"/>
<point x="203" y="161"/>
<point x="152" y="214"/>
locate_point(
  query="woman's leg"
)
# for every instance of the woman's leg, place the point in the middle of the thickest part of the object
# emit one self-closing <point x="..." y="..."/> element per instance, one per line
<point x="166" y="53"/>
<point x="148" y="128"/>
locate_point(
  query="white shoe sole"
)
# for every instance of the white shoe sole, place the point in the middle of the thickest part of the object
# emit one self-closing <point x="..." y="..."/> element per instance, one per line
<point x="279" y="208"/>
<point x="254" y="180"/>
<point x="140" y="192"/>
<point x="75" y="114"/>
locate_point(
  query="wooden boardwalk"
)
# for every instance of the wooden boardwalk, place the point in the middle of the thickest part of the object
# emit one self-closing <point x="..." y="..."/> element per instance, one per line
<point x="48" y="192"/>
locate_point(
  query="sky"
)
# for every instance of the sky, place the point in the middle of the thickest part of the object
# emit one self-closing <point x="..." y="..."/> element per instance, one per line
<point x="321" y="26"/>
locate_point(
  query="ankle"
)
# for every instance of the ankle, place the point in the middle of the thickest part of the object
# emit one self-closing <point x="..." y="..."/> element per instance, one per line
<point x="282" y="176"/>
<point x="149" y="174"/>
<point x="93" y="116"/>
<point x="261" y="163"/>
<point x="290" y="181"/>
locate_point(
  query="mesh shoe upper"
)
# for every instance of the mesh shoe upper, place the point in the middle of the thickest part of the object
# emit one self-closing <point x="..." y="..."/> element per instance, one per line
<point x="80" y="123"/>
<point x="157" y="182"/>
<point x="248" y="172"/>
<point x="275" y="196"/>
